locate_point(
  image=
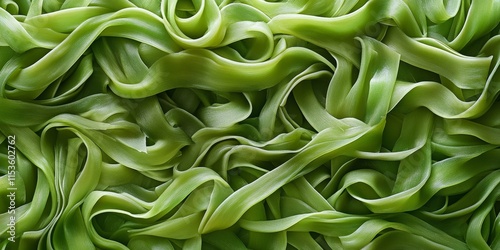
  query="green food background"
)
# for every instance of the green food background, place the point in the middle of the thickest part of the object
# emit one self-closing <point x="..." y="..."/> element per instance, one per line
<point x="251" y="124"/>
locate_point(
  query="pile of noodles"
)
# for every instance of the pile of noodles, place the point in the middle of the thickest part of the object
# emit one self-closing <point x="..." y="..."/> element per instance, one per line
<point x="250" y="124"/>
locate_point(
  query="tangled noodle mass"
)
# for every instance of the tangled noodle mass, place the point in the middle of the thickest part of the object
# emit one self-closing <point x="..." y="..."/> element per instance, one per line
<point x="250" y="124"/>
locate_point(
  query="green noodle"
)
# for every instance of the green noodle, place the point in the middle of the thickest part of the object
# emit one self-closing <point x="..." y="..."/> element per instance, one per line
<point x="249" y="124"/>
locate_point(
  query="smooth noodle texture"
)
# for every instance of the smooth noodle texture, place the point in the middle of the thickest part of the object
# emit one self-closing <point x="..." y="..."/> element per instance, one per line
<point x="251" y="124"/>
